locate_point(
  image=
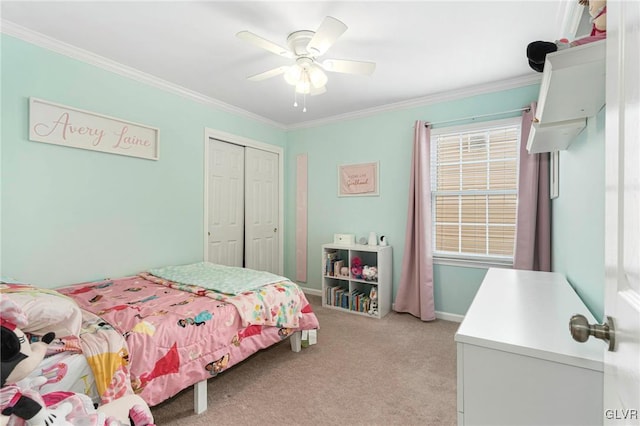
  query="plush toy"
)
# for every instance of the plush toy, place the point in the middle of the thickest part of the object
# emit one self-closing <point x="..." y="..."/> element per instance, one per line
<point x="20" y="400"/>
<point x="370" y="273"/>
<point x="537" y="51"/>
<point x="373" y="301"/>
<point x="19" y="358"/>
<point x="356" y="268"/>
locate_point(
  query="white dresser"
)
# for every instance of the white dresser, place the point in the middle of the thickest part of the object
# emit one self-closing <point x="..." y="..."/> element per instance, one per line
<point x="517" y="362"/>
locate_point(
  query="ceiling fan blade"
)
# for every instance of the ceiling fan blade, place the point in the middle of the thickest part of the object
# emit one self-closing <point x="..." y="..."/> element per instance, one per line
<point x="268" y="74"/>
<point x="327" y="34"/>
<point x="349" y="67"/>
<point x="265" y="44"/>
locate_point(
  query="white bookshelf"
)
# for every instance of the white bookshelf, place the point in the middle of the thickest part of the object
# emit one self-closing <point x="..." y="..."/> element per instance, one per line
<point x="352" y="290"/>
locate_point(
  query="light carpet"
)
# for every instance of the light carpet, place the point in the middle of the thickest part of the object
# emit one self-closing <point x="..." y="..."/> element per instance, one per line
<point x="394" y="371"/>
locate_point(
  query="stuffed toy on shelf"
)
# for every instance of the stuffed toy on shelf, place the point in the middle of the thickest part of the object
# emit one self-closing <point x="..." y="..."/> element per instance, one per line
<point x="537" y="51"/>
<point x="20" y="400"/>
<point x="373" y="297"/>
<point x="356" y="268"/>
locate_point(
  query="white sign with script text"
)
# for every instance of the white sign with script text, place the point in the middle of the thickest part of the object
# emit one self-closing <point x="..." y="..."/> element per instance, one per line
<point x="62" y="125"/>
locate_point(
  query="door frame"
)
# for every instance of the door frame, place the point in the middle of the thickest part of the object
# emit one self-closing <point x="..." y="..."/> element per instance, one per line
<point x="621" y="398"/>
<point x="251" y="143"/>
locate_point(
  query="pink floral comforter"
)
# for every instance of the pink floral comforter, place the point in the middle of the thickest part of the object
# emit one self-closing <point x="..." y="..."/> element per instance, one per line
<point x="178" y="336"/>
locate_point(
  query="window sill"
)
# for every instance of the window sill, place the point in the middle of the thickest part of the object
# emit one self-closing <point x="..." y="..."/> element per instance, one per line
<point x="472" y="263"/>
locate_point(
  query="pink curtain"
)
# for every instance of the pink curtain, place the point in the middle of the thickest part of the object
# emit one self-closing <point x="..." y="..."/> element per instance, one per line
<point x="415" y="293"/>
<point x="533" y="226"/>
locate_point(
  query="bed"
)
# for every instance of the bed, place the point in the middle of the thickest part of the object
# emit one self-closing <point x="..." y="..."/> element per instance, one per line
<point x="185" y="324"/>
<point x="88" y="356"/>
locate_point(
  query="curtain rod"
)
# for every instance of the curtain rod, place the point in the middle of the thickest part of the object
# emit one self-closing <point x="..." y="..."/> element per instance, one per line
<point x="473" y="117"/>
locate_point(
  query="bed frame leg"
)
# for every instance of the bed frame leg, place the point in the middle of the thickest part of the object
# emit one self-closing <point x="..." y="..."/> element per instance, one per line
<point x="200" y="397"/>
<point x="296" y="341"/>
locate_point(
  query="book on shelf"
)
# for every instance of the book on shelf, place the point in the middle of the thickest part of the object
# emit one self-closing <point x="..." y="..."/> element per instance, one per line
<point x="337" y="296"/>
<point x="360" y="301"/>
<point x="332" y="257"/>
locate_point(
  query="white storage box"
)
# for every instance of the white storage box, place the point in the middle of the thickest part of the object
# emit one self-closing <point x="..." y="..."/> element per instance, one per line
<point x="346" y="239"/>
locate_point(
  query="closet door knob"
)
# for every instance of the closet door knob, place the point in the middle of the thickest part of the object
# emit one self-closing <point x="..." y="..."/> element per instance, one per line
<point x="275" y="229"/>
<point x="581" y="330"/>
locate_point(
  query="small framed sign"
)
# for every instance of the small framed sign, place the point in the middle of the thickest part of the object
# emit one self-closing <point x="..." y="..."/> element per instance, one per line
<point x="62" y="125"/>
<point x="358" y="180"/>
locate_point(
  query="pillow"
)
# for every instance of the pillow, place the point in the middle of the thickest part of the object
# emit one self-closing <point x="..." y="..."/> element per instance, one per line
<point x="46" y="310"/>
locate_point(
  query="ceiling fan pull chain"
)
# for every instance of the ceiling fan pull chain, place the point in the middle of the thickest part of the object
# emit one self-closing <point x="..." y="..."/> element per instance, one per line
<point x="295" y="98"/>
<point x="304" y="100"/>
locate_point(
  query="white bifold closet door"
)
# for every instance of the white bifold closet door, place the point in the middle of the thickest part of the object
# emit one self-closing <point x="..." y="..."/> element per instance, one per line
<point x="226" y="204"/>
<point x="243" y="207"/>
<point x="261" y="210"/>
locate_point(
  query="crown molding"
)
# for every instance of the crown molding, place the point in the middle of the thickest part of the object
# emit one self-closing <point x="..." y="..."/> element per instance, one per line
<point x="451" y="95"/>
<point x="41" y="40"/>
<point x="49" y="43"/>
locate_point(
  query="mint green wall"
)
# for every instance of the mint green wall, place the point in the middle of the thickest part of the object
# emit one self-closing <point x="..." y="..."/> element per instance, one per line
<point x="70" y="215"/>
<point x="578" y="215"/>
<point x="387" y="138"/>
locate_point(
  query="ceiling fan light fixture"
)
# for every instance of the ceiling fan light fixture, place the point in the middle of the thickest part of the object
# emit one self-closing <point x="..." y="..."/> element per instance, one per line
<point x="317" y="77"/>
<point x="305" y="76"/>
<point x="293" y="74"/>
<point x="303" y="87"/>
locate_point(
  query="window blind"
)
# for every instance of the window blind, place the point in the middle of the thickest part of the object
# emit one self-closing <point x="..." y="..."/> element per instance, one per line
<point x="474" y="190"/>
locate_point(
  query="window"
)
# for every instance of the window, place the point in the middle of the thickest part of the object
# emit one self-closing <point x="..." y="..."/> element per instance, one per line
<point x="474" y="191"/>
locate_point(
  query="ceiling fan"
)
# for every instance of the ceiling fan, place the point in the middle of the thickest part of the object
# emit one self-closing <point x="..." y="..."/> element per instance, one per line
<point x="307" y="73"/>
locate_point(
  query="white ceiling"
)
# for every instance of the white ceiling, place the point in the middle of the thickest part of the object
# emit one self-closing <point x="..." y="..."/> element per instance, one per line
<point x="421" y="48"/>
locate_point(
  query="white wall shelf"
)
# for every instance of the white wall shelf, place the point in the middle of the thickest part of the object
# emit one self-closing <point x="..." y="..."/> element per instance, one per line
<point x="572" y="89"/>
<point x="554" y="136"/>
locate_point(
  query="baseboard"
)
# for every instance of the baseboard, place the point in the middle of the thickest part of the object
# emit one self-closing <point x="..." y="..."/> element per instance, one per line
<point x="311" y="291"/>
<point x="442" y="315"/>
<point x="449" y="317"/>
<point x="446" y="316"/>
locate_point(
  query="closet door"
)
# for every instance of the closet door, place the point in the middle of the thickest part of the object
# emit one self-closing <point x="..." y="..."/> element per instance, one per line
<point x="226" y="204"/>
<point x="262" y="250"/>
